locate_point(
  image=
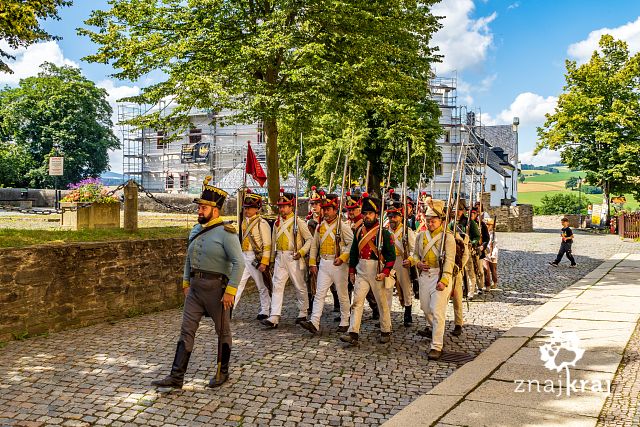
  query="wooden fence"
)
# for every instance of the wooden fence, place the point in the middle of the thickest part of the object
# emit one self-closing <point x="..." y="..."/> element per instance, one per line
<point x="629" y="225"/>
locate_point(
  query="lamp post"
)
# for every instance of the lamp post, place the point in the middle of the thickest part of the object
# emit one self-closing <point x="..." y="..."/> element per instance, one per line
<point x="580" y="199"/>
<point x="514" y="127"/>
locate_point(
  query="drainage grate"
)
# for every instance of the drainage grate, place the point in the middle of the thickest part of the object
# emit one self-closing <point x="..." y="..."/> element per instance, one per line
<point x="452" y="357"/>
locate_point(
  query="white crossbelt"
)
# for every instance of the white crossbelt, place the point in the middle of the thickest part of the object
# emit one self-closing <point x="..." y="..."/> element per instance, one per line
<point x="285" y="229"/>
<point x="328" y="232"/>
<point x="431" y="244"/>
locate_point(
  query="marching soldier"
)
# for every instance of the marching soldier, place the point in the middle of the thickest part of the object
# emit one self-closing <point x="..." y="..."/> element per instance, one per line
<point x="354" y="212"/>
<point x="212" y="269"/>
<point x="329" y="260"/>
<point x="471" y="235"/>
<point x="370" y="271"/>
<point x="436" y="280"/>
<point x="412" y="221"/>
<point x="478" y="254"/>
<point x="288" y="252"/>
<point x="402" y="264"/>
<point x="256" y="249"/>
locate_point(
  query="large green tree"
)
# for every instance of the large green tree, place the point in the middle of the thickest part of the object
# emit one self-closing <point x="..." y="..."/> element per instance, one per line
<point x="596" y="123"/>
<point x="20" y="24"/>
<point x="57" y="108"/>
<point x="276" y="61"/>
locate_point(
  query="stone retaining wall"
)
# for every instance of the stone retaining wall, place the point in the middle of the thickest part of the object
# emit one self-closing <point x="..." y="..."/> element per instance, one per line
<point x="513" y="218"/>
<point x="55" y="287"/>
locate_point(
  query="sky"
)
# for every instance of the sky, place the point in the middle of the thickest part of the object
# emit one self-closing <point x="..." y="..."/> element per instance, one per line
<point x="508" y="55"/>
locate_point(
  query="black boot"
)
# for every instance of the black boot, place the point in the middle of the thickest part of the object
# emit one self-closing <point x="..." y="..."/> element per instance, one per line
<point x="222" y="374"/>
<point x="178" y="369"/>
<point x="375" y="314"/>
<point x="408" y="320"/>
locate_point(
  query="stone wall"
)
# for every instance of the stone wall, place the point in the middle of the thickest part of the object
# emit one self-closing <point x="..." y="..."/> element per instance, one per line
<point x="513" y="218"/>
<point x="55" y="287"/>
<point x="41" y="198"/>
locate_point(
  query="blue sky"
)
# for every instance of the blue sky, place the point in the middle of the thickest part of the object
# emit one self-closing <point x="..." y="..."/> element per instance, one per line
<point x="508" y="56"/>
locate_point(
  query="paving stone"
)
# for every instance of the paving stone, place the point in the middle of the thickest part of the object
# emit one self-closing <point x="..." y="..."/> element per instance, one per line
<point x="102" y="373"/>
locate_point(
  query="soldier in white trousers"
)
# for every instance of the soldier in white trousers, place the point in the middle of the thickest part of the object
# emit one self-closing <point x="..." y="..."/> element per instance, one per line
<point x="256" y="250"/>
<point x="329" y="260"/>
<point x="370" y="266"/>
<point x="435" y="283"/>
<point x="288" y="252"/>
<point x="395" y="213"/>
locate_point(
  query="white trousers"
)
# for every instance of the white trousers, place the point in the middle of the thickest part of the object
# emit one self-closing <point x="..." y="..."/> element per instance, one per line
<point x="434" y="304"/>
<point x="365" y="280"/>
<point x="404" y="280"/>
<point x="328" y="274"/>
<point x="457" y="300"/>
<point x="284" y="269"/>
<point x="251" y="271"/>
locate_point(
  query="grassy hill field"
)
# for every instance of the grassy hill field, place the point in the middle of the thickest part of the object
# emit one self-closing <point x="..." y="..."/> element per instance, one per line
<point x="535" y="188"/>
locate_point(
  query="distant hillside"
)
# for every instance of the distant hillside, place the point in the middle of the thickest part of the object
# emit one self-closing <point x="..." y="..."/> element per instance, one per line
<point x="111" y="178"/>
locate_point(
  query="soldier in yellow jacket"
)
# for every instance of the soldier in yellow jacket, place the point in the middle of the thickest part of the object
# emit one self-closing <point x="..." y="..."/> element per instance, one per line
<point x="256" y="249"/>
<point x="288" y="252"/>
<point x="436" y="280"/>
<point x="330" y="262"/>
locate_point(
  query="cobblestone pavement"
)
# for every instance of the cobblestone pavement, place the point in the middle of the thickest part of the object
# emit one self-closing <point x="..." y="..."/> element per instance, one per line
<point x="621" y="407"/>
<point x="101" y="374"/>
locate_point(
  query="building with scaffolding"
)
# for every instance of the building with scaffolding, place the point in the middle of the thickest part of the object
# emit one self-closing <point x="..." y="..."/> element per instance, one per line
<point x="178" y="162"/>
<point x="491" y="153"/>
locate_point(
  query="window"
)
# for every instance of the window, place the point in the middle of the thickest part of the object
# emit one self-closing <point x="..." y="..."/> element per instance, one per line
<point x="438" y="167"/>
<point x="184" y="181"/>
<point x="160" y="140"/>
<point x="195" y="136"/>
<point x="493" y="187"/>
<point x="169" y="182"/>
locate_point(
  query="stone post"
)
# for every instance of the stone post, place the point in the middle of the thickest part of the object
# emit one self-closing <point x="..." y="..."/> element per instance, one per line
<point x="131" y="207"/>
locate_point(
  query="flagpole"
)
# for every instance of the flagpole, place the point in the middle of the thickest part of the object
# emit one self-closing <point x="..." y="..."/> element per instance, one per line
<point x="242" y="193"/>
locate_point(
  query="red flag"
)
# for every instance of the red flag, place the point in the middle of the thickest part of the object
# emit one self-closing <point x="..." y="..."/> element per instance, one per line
<point x="254" y="168"/>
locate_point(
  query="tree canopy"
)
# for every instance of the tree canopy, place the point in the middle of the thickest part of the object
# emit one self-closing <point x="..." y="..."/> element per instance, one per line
<point x="58" y="107"/>
<point x="596" y="123"/>
<point x="20" y="25"/>
<point x="293" y="65"/>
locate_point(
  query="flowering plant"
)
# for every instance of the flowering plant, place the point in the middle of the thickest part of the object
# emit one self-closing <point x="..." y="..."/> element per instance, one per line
<point x="89" y="190"/>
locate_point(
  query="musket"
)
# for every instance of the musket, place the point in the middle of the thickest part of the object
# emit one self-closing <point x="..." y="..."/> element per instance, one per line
<point x="449" y="209"/>
<point x="339" y="217"/>
<point x="381" y="220"/>
<point x="295" y="212"/>
<point x="366" y="178"/>
<point x="424" y="164"/>
<point x="335" y="171"/>
<point x="405" y="231"/>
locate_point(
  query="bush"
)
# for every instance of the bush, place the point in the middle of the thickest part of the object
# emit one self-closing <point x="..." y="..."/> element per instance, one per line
<point x="561" y="204"/>
<point x="591" y="189"/>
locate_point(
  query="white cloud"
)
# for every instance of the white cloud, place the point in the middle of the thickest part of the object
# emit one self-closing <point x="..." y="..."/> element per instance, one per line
<point x="530" y="108"/>
<point x="463" y="41"/>
<point x="29" y="59"/>
<point x="629" y="32"/>
<point x="115" y="93"/>
<point x="543" y="158"/>
<point x="514" y="5"/>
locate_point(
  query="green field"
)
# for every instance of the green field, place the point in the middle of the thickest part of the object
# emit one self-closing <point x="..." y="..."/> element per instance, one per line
<point x="535" y="198"/>
<point x="554" y="177"/>
<point x="534" y="172"/>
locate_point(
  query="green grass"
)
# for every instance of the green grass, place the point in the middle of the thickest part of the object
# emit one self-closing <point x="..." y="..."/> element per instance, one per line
<point x="534" y="171"/>
<point x="535" y="198"/>
<point x="554" y="177"/>
<point x="19" y="238"/>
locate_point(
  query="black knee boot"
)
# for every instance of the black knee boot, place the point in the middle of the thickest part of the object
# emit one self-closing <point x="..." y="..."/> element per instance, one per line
<point x="178" y="369"/>
<point x="408" y="320"/>
<point x="222" y="373"/>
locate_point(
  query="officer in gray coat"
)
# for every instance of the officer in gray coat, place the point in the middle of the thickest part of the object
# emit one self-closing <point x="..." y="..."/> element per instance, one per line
<point x="212" y="270"/>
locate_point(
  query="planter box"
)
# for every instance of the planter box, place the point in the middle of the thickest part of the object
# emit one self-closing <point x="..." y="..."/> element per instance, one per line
<point x="98" y="215"/>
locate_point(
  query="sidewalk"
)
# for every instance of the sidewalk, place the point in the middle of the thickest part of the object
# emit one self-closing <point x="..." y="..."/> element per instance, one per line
<point x="509" y="385"/>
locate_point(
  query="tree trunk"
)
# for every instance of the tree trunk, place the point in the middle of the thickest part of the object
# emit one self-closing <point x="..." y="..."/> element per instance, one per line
<point x="273" y="169"/>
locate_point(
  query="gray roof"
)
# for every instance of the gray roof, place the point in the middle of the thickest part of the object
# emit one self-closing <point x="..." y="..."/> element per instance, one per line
<point x="501" y="136"/>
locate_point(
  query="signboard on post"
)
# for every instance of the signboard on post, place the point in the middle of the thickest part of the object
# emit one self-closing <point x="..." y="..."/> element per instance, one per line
<point x="595" y="215"/>
<point x="56" y="166"/>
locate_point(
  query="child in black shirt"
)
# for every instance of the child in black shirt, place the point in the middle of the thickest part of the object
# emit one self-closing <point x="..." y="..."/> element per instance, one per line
<point x="565" y="246"/>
